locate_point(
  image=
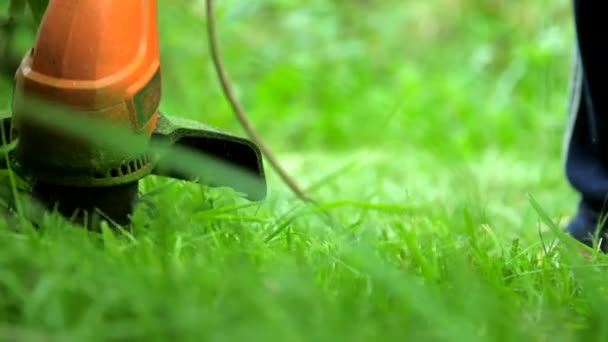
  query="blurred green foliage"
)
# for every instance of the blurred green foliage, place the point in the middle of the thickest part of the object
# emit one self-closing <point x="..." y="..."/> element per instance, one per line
<point x="37" y="7"/>
<point x="458" y="76"/>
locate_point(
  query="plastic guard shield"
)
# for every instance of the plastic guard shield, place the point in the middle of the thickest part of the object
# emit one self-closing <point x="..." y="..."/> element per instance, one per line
<point x="202" y="153"/>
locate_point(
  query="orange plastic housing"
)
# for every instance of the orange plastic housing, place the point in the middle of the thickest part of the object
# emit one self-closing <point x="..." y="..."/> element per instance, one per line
<point x="98" y="56"/>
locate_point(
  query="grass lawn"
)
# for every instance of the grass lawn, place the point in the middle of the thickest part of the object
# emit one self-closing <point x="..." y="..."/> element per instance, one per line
<point x="430" y="132"/>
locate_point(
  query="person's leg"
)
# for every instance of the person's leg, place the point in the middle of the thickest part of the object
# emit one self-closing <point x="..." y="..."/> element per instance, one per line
<point x="587" y="141"/>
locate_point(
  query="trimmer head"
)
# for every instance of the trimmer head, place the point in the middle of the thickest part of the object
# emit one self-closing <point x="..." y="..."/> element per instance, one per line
<point x="97" y="64"/>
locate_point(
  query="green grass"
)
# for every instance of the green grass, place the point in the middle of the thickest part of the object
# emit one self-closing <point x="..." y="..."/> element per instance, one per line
<point x="431" y="133"/>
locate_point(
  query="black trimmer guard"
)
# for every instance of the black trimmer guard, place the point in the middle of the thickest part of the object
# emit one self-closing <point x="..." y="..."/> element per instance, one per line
<point x="182" y="149"/>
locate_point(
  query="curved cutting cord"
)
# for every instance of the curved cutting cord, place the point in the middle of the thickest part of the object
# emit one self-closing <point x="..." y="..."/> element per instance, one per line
<point x="238" y="108"/>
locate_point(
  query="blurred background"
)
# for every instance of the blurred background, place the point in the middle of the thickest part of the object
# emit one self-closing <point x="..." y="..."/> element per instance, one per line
<point x="439" y="101"/>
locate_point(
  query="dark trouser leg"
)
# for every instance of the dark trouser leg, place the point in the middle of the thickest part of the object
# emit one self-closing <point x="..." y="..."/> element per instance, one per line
<point x="587" y="144"/>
